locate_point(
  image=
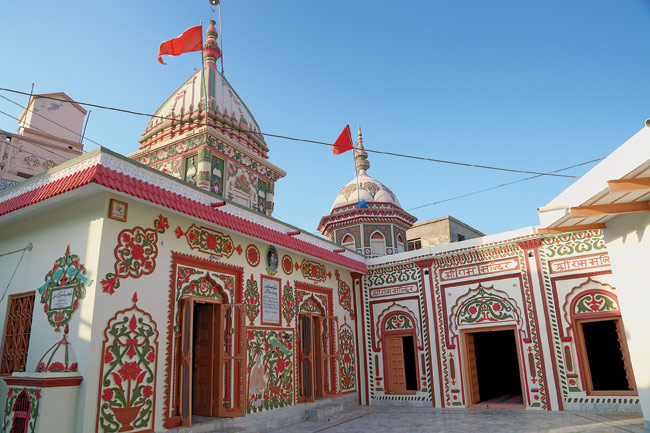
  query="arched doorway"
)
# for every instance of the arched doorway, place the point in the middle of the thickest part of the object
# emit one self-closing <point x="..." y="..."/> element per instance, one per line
<point x="212" y="355"/>
<point x="319" y="355"/>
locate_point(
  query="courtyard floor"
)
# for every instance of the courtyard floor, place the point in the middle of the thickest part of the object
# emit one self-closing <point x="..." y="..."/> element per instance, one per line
<point x="378" y="419"/>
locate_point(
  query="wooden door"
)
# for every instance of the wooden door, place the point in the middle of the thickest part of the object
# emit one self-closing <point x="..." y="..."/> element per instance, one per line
<point x="329" y="357"/>
<point x="395" y="360"/>
<point x="231" y="342"/>
<point x="185" y="380"/>
<point x="306" y="359"/>
<point x="204" y="359"/>
<point x="472" y="374"/>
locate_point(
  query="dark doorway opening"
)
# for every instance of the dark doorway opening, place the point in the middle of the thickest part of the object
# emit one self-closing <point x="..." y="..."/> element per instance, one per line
<point x="410" y="368"/>
<point x="495" y="370"/>
<point x="605" y="356"/>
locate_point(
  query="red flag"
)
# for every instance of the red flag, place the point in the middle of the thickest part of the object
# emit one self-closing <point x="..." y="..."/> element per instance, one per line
<point x="190" y="40"/>
<point x="344" y="142"/>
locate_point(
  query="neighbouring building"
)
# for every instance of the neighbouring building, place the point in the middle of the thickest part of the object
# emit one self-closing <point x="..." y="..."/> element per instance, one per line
<point x="156" y="291"/>
<point x="49" y="133"/>
<point x="439" y="231"/>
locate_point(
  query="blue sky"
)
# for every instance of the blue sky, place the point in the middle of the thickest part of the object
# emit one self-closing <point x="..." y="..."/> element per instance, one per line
<point x="528" y="85"/>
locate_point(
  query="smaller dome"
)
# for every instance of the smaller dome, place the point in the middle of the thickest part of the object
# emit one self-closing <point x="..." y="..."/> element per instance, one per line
<point x="369" y="189"/>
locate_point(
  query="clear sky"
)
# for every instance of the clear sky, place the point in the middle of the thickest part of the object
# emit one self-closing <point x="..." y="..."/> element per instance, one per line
<point x="528" y="85"/>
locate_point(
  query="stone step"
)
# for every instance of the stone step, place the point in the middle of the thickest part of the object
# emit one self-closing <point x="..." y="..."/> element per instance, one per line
<point x="325" y="413"/>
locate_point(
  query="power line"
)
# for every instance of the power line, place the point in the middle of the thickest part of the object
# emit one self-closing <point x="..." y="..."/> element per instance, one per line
<point x="38" y="129"/>
<point x="50" y="120"/>
<point x="285" y="137"/>
<point x="501" y="185"/>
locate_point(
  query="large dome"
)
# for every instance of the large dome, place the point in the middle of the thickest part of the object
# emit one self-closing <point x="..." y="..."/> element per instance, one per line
<point x="185" y="109"/>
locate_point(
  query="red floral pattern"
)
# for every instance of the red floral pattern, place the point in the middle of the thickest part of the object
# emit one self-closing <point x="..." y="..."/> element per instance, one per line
<point x="209" y="241"/>
<point x="128" y="374"/>
<point x="135" y="254"/>
<point x="253" y="255"/>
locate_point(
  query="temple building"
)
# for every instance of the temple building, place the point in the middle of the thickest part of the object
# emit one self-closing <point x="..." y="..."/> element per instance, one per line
<point x="155" y="291"/>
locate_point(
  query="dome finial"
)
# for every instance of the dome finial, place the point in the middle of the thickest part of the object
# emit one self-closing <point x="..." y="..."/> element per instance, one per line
<point x="211" y="51"/>
<point x="360" y="155"/>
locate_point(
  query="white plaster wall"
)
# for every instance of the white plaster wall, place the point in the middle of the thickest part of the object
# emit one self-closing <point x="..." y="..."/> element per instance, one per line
<point x="78" y="224"/>
<point x="628" y="244"/>
<point x="153" y="290"/>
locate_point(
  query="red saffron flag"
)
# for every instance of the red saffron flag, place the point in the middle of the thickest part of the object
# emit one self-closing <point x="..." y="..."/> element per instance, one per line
<point x="344" y="142"/>
<point x="190" y="40"/>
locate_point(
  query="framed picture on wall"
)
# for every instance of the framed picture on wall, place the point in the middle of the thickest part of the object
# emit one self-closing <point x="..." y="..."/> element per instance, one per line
<point x="117" y="210"/>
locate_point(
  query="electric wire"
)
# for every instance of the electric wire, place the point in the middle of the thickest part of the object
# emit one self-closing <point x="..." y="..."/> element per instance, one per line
<point x="501" y="185"/>
<point x="50" y="120"/>
<point x="24" y="138"/>
<point x="285" y="137"/>
<point x="28" y="247"/>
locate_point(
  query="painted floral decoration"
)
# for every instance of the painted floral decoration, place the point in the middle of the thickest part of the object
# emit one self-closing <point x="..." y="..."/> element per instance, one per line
<point x="65" y="285"/>
<point x="287" y="264"/>
<point x="313" y="270"/>
<point x="135" y="253"/>
<point x="252" y="297"/>
<point x="288" y="304"/>
<point x="253" y="255"/>
<point x="209" y="241"/>
<point x="128" y="376"/>
<point x="348" y="368"/>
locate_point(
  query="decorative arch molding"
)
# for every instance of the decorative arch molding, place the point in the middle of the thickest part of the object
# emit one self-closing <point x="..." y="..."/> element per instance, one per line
<point x="590" y="299"/>
<point x="312" y="305"/>
<point x="483" y="306"/>
<point x="395" y="310"/>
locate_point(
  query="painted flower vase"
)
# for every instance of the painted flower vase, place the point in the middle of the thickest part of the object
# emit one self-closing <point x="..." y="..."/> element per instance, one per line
<point x="126" y="415"/>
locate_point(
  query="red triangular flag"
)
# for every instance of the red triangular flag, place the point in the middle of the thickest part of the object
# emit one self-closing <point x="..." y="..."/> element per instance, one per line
<point x="190" y="40"/>
<point x="344" y="142"/>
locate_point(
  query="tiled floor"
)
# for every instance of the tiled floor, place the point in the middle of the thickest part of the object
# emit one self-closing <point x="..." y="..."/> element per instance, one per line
<point x="377" y="419"/>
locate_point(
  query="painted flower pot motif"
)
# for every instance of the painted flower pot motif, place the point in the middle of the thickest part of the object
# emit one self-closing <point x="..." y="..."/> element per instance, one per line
<point x="126" y="415"/>
<point x="347" y="381"/>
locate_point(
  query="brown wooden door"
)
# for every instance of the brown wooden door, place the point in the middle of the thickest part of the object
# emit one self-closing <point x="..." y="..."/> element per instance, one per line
<point x="306" y="359"/>
<point x="231" y="341"/>
<point x="395" y="359"/>
<point x="329" y="356"/>
<point x="185" y="380"/>
<point x="204" y="359"/>
<point x="472" y="374"/>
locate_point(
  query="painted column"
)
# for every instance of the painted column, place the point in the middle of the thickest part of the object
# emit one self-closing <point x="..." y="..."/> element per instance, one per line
<point x="359" y="322"/>
<point x="203" y="167"/>
<point x="531" y="251"/>
<point x="427" y="290"/>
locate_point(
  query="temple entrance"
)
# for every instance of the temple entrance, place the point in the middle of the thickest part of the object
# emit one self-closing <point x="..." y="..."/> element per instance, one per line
<point x="402" y="368"/>
<point x="204" y="379"/>
<point x="605" y="358"/>
<point x="493" y="374"/>
<point x="318" y="357"/>
<point x="211" y="360"/>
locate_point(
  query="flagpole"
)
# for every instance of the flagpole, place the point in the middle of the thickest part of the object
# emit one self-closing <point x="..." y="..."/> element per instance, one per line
<point x="205" y="90"/>
<point x="356" y="170"/>
<point x="221" y="33"/>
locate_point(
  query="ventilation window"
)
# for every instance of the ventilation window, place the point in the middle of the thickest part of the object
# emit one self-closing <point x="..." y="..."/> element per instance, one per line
<point x="348" y="242"/>
<point x="377" y="244"/>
